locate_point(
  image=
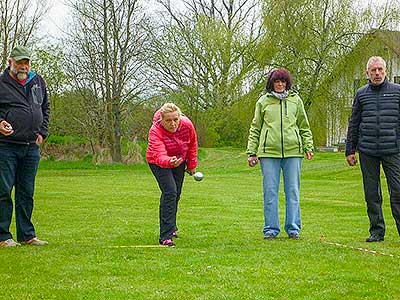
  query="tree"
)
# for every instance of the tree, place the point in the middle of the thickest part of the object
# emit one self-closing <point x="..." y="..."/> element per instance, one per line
<point x="106" y="61"/>
<point x="19" y="21"/>
<point x="203" y="57"/>
<point x="48" y="62"/>
<point x="310" y="38"/>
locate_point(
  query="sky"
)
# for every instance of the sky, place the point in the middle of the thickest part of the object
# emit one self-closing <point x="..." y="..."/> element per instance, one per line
<point x="55" y="19"/>
<point x="58" y="15"/>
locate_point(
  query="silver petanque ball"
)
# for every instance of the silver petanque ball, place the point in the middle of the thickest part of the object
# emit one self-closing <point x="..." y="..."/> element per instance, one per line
<point x="198" y="176"/>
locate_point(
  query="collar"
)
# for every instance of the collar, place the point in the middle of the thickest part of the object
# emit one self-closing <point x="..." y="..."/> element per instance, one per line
<point x="280" y="95"/>
<point x="378" y="87"/>
<point x="8" y="77"/>
<point x="21" y="82"/>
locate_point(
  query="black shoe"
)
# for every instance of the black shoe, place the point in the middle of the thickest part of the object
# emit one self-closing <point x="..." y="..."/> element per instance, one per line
<point x="375" y="238"/>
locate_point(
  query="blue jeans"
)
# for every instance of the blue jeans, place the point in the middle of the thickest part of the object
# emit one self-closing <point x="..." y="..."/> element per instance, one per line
<point x="271" y="171"/>
<point x="18" y="168"/>
<point x="170" y="182"/>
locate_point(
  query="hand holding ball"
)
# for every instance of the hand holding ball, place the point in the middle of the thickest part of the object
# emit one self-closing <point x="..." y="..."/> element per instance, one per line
<point x="252" y="161"/>
<point x="8" y="127"/>
<point x="198" y="176"/>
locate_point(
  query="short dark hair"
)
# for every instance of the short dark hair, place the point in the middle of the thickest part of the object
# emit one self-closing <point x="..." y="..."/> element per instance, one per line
<point x="278" y="74"/>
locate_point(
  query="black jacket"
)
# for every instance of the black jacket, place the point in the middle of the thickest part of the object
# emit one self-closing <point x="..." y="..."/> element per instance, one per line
<point x="374" y="125"/>
<point x="26" y="108"/>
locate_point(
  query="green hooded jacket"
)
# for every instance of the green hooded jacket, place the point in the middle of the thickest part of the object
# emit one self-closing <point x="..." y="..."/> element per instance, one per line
<point x="280" y="128"/>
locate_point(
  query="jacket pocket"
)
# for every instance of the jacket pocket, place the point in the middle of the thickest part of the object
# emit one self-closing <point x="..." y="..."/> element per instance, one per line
<point x="37" y="95"/>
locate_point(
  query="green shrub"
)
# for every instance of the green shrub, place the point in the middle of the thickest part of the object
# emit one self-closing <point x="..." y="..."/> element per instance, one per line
<point x="63" y="140"/>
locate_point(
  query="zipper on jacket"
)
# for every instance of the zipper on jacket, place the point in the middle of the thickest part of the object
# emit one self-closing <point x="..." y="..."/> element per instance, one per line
<point x="286" y="111"/>
<point x="265" y="141"/>
<point x="283" y="155"/>
<point x="378" y="96"/>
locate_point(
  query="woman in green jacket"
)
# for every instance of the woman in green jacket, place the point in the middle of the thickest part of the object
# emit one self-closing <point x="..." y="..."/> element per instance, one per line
<point x="279" y="137"/>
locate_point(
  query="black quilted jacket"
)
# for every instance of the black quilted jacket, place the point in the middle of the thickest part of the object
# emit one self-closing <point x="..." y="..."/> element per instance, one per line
<point x="374" y="125"/>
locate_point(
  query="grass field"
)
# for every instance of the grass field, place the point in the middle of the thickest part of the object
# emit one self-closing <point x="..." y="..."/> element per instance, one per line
<point x="102" y="226"/>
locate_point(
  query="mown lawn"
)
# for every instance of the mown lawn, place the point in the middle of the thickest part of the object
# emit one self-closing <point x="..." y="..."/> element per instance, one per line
<point x="102" y="225"/>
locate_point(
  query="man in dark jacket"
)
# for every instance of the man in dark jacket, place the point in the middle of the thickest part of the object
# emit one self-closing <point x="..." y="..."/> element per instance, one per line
<point x="24" y="118"/>
<point x="374" y="131"/>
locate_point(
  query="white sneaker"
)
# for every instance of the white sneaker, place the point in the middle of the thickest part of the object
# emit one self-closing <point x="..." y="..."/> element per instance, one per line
<point x="9" y="243"/>
<point x="35" y="242"/>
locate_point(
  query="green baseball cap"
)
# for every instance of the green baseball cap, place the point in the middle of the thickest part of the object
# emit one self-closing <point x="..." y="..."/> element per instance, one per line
<point x="19" y="53"/>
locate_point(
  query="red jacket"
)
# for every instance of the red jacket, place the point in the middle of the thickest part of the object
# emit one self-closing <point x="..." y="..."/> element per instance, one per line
<point x="164" y="144"/>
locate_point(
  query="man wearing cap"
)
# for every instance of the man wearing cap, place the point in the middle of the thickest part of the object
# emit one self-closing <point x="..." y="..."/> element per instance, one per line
<point x="24" y="118"/>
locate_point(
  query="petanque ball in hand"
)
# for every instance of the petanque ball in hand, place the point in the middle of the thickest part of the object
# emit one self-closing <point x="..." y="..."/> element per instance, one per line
<point x="198" y="176"/>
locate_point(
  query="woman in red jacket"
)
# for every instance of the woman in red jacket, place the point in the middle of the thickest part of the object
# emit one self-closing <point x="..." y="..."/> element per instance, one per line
<point x="172" y="150"/>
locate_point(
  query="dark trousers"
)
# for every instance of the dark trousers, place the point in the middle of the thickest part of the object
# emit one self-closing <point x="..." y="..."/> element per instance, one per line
<point x="18" y="167"/>
<point x="370" y="167"/>
<point x="170" y="182"/>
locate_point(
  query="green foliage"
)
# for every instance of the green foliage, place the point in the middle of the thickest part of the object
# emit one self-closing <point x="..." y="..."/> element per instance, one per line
<point x="139" y="118"/>
<point x="62" y="140"/>
<point x="335" y="94"/>
<point x="48" y="62"/>
<point x="77" y="148"/>
<point x="205" y="63"/>
<point x="102" y="225"/>
<point x="210" y="59"/>
<point x="107" y="50"/>
<point x="71" y="117"/>
<point x="309" y="38"/>
<point x="143" y="147"/>
<point x="69" y="148"/>
<point x="134" y="153"/>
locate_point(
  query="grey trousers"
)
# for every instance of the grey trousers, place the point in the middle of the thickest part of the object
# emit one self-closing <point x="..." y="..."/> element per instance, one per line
<point x="370" y="167"/>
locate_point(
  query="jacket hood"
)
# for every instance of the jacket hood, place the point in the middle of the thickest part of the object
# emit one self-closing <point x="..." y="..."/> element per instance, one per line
<point x="156" y="117"/>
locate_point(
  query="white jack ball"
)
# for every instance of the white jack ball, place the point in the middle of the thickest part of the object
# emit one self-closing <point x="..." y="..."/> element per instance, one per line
<point x="198" y="176"/>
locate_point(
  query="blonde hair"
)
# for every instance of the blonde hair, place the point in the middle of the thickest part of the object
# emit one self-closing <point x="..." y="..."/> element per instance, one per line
<point x="373" y="59"/>
<point x="168" y="108"/>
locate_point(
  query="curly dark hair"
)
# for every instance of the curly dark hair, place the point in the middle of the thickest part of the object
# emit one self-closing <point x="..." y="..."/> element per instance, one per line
<point x="278" y="74"/>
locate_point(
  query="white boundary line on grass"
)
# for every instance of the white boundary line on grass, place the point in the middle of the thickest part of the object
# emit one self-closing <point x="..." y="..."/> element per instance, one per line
<point x="357" y="248"/>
